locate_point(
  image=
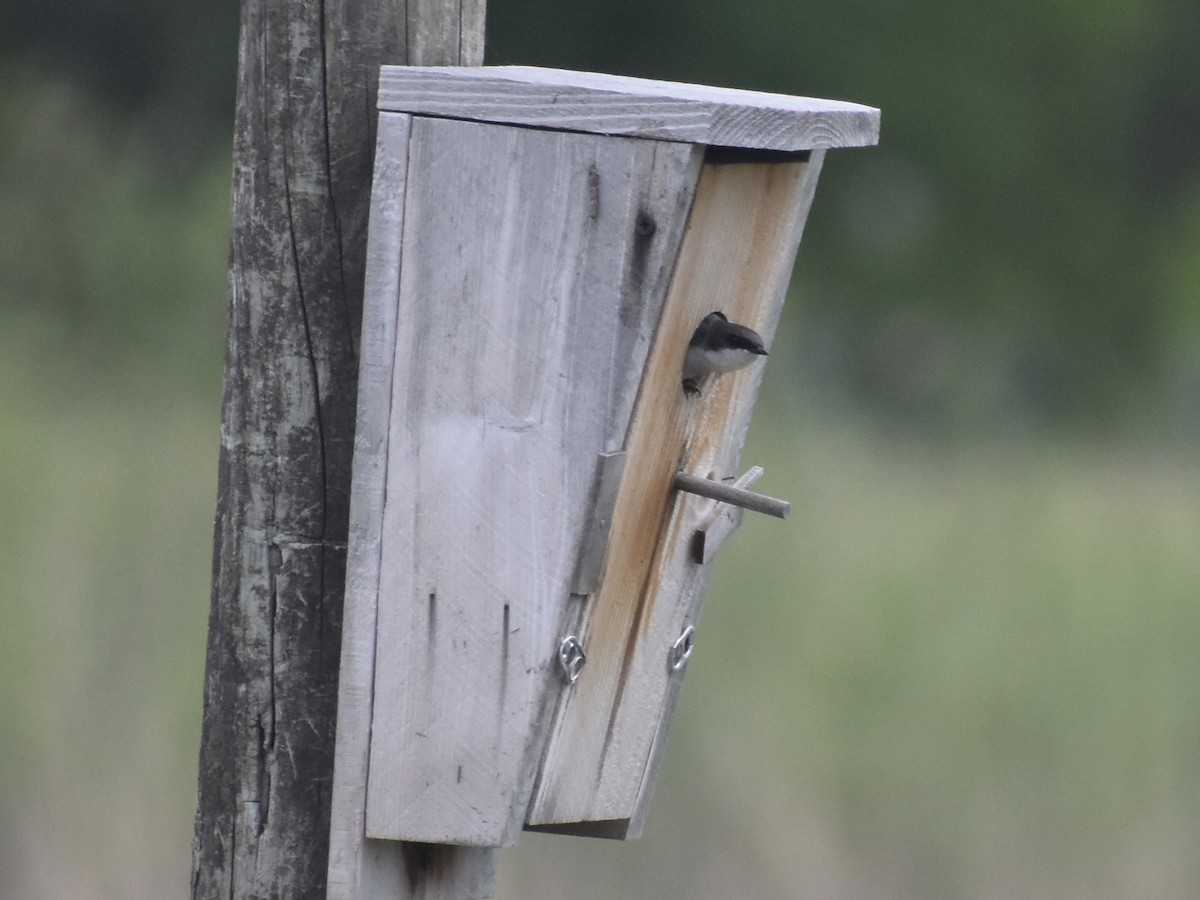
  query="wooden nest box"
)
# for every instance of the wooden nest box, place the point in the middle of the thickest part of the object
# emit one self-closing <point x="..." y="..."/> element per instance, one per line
<point x="524" y="573"/>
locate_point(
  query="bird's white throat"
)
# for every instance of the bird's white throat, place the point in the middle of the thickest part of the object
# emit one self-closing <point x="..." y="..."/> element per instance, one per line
<point x="702" y="360"/>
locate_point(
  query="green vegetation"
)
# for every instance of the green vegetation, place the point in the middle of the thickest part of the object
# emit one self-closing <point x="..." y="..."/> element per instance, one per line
<point x="107" y="488"/>
<point x="965" y="667"/>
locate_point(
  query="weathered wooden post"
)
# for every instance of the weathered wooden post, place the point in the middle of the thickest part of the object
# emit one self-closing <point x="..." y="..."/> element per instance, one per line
<point x="526" y="561"/>
<point x="302" y="172"/>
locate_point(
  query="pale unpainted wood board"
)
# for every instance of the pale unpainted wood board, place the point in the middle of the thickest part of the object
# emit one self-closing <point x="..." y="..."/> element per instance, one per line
<point x="637" y="107"/>
<point x="361" y="869"/>
<point x="716" y="448"/>
<point x="736" y="257"/>
<point x="534" y="267"/>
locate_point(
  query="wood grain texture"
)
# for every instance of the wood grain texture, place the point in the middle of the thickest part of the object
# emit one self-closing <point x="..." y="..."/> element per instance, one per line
<point x="531" y="275"/>
<point x="346" y="847"/>
<point x="347" y="857"/>
<point x="608" y="734"/>
<point x="593" y="547"/>
<point x="358" y="867"/>
<point x="637" y="107"/>
<point x="303" y="147"/>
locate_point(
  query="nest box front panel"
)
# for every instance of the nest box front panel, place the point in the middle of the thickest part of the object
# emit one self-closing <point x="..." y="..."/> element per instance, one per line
<point x="533" y="266"/>
<point x="609" y="730"/>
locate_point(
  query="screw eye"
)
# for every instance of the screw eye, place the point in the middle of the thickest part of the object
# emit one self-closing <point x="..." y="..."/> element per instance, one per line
<point x="571" y="658"/>
<point x="681" y="650"/>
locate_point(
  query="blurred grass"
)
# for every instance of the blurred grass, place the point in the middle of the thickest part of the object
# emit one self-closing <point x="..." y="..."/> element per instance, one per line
<point x="105" y="546"/>
<point x="112" y="306"/>
<point x="111" y="258"/>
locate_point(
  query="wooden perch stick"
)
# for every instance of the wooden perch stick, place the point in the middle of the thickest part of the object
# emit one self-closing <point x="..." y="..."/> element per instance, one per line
<point x="727" y="493"/>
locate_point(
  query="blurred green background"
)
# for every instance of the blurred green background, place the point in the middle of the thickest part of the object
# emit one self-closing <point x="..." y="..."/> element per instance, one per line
<point x="965" y="667"/>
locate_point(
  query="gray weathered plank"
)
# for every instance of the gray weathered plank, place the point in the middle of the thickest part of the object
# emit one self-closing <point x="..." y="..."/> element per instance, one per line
<point x="621" y="105"/>
<point x="535" y="265"/>
<point x="359" y="868"/>
<point x="348" y="862"/>
<point x="442" y="33"/>
<point x="607" y="738"/>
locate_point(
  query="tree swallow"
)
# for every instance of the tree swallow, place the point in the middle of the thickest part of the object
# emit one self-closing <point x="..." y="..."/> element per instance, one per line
<point x="719" y="345"/>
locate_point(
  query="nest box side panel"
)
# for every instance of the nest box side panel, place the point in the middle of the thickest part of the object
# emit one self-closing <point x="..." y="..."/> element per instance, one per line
<point x="533" y="272"/>
<point x="347" y="861"/>
<point x="737" y="257"/>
